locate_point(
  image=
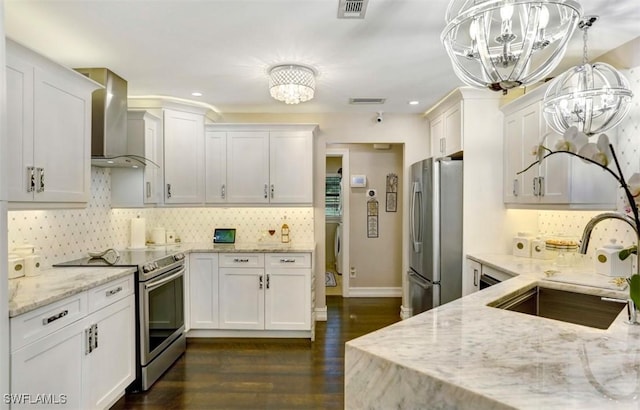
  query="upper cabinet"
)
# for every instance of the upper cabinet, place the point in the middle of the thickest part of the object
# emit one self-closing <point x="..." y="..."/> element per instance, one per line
<point x="137" y="187"/>
<point x="183" y="157"/>
<point x="264" y="163"/>
<point x="49" y="130"/>
<point x="446" y="129"/>
<point x="560" y="181"/>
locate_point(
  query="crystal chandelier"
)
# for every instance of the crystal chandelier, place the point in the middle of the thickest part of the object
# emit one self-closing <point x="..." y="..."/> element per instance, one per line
<point x="592" y="97"/>
<point x="292" y="84"/>
<point x="503" y="44"/>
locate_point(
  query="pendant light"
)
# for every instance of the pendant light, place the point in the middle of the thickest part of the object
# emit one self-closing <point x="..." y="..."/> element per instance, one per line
<point x="593" y="97"/>
<point x="502" y="44"/>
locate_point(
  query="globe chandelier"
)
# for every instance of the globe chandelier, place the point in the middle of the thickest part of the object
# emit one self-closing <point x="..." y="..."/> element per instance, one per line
<point x="291" y="83"/>
<point x="592" y="97"/>
<point x="503" y="44"/>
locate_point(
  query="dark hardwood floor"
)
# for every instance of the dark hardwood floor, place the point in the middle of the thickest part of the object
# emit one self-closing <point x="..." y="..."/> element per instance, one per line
<point x="268" y="373"/>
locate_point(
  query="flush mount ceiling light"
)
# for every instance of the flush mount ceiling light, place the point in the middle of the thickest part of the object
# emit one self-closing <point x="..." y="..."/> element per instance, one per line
<point x="292" y="84"/>
<point x="503" y="44"/>
<point x="592" y="97"/>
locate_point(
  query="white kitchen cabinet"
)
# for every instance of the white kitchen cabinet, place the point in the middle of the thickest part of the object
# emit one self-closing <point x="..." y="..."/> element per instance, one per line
<point x="183" y="157"/>
<point x="203" y="291"/>
<point x="265" y="292"/>
<point x="290" y="167"/>
<point x="137" y="187"/>
<point x="49" y="129"/>
<point x="265" y="163"/>
<point x="248" y="166"/>
<point x="215" y="146"/>
<point x="78" y="352"/>
<point x="471" y="277"/>
<point x="561" y="181"/>
<point x="446" y="128"/>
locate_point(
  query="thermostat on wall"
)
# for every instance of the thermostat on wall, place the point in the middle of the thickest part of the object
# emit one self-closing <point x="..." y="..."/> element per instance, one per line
<point x="358" y="181"/>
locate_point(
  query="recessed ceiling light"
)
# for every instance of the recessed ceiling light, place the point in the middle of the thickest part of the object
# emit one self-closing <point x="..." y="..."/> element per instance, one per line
<point x="414" y="102"/>
<point x="196" y="94"/>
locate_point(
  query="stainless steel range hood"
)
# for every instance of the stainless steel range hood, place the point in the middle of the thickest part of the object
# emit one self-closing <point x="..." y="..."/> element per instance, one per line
<point x="109" y="144"/>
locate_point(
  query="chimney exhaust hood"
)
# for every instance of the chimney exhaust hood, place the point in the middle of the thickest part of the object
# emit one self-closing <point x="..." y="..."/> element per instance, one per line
<point x="109" y="142"/>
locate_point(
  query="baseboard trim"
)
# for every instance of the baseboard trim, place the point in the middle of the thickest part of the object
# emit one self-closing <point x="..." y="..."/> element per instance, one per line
<point x="321" y="314"/>
<point x="303" y="334"/>
<point x="375" y="292"/>
<point x="405" y="312"/>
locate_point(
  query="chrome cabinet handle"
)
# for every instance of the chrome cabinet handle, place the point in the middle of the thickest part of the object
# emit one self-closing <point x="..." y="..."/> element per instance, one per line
<point x="260" y="282"/>
<point x="88" y="340"/>
<point x="112" y="292"/>
<point x="272" y="190"/>
<point x="241" y="260"/>
<point x="515" y="187"/>
<point x="53" y="318"/>
<point x="31" y="179"/>
<point x="148" y="189"/>
<point x="168" y="190"/>
<point x="95" y="336"/>
<point x="541" y="186"/>
<point x="267" y="281"/>
<point x="40" y="177"/>
<point x="475" y="277"/>
<point x="223" y="192"/>
<point x="287" y="260"/>
<point x="266" y="191"/>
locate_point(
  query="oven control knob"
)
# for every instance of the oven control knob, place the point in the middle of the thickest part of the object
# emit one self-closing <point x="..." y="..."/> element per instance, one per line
<point x="178" y="256"/>
<point x="149" y="267"/>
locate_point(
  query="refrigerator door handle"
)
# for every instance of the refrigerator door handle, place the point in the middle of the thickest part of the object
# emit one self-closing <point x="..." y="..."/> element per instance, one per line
<point x="420" y="281"/>
<point x="416" y="234"/>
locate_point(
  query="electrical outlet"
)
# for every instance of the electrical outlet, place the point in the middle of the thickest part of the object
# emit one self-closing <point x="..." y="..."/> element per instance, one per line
<point x="352" y="272"/>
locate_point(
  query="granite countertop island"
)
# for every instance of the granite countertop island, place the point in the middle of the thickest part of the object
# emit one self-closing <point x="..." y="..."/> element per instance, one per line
<point x="466" y="354"/>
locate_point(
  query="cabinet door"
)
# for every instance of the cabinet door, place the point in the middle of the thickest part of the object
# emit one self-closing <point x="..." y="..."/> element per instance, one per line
<point x="110" y="367"/>
<point x="19" y="128"/>
<point x="51" y="366"/>
<point x="241" y="296"/>
<point x="471" y="277"/>
<point x="288" y="299"/>
<point x="151" y="172"/>
<point x="61" y="139"/>
<point x="183" y="157"/>
<point x="452" y="130"/>
<point x="216" y="166"/>
<point x="512" y="158"/>
<point x="437" y="136"/>
<point x="248" y="167"/>
<point x="203" y="290"/>
<point x="291" y="167"/>
<point x="530" y="131"/>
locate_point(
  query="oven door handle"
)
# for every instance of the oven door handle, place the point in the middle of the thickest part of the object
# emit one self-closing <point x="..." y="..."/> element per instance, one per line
<point x="155" y="285"/>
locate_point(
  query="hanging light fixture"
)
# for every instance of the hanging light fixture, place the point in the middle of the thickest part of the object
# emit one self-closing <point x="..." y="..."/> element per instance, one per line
<point x="503" y="44"/>
<point x="592" y="97"/>
<point x="292" y="84"/>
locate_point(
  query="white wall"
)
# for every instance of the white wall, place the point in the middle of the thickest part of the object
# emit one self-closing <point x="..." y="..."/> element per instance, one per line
<point x="4" y="298"/>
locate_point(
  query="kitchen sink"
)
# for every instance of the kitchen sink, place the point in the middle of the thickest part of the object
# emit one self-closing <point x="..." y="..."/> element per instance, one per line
<point x="577" y="308"/>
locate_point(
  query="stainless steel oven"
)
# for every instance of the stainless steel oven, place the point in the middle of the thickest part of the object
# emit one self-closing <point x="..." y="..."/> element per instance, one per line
<point x="161" y="318"/>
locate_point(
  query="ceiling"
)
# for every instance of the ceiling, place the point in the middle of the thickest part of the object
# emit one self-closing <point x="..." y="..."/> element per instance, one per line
<point x="224" y="48"/>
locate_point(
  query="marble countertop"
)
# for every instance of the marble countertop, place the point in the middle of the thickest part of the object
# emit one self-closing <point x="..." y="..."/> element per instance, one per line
<point x="29" y="293"/>
<point x="466" y="354"/>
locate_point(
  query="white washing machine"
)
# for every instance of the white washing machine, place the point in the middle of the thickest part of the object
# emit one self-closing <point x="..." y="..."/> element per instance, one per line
<point x="337" y="248"/>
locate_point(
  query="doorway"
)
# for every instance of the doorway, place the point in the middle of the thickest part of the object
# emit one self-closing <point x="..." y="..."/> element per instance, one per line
<point x="336" y="223"/>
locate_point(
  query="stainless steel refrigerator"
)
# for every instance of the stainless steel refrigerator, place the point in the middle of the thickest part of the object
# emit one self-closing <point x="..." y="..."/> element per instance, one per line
<point x="435" y="229"/>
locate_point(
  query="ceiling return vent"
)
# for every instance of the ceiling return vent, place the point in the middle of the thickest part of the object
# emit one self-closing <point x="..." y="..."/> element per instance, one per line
<point x="366" y="101"/>
<point x="352" y="9"/>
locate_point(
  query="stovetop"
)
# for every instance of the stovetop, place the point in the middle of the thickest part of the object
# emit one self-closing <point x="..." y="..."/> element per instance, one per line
<point x="128" y="257"/>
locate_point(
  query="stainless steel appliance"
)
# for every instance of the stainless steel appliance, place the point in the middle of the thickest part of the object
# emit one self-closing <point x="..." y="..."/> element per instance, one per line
<point x="160" y="338"/>
<point x="435" y="275"/>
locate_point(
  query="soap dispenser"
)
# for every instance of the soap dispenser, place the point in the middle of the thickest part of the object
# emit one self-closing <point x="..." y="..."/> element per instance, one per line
<point x="608" y="262"/>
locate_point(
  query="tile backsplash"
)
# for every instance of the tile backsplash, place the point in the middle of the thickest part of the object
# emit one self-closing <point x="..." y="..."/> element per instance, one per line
<point x="66" y="234"/>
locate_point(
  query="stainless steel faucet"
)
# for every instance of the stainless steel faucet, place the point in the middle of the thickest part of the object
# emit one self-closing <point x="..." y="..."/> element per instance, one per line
<point x="584" y="244"/>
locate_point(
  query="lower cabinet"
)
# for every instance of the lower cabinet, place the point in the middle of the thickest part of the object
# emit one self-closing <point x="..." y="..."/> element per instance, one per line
<point x="250" y="291"/>
<point x="84" y="364"/>
<point x="471" y="277"/>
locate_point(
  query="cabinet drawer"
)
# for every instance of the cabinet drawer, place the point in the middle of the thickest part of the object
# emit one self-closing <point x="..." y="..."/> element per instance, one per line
<point x="241" y="260"/>
<point x="108" y="293"/>
<point x="31" y="326"/>
<point x="288" y="260"/>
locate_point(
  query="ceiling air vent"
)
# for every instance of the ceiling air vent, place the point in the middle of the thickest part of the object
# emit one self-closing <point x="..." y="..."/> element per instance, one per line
<point x="367" y="100"/>
<point x="352" y="9"/>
